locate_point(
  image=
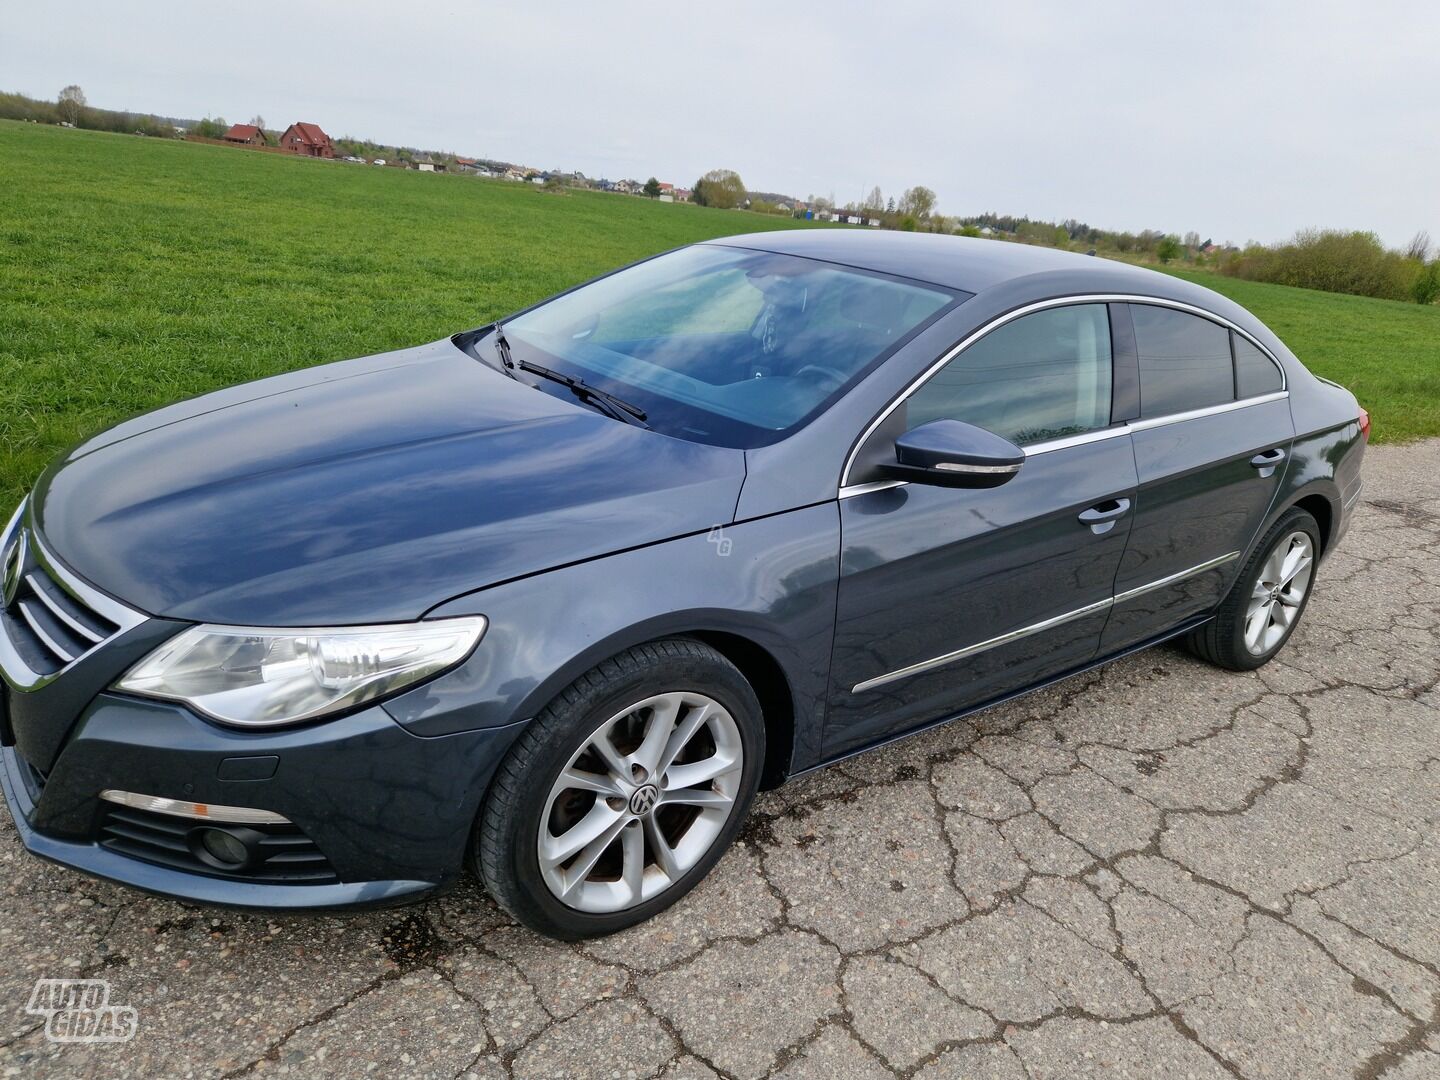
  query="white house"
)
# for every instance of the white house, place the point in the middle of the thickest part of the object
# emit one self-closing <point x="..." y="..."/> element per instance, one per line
<point x="425" y="166"/>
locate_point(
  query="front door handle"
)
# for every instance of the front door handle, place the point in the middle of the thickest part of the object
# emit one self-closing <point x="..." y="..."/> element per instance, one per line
<point x="1265" y="463"/>
<point x="1102" y="517"/>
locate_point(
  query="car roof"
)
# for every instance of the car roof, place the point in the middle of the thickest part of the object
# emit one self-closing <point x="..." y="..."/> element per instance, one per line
<point x="955" y="262"/>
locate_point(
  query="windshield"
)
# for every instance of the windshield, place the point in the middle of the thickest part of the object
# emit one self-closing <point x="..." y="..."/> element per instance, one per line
<point x="725" y="345"/>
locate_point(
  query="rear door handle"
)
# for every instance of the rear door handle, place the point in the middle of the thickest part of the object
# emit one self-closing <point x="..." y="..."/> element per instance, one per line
<point x="1267" y="461"/>
<point x="1102" y="517"/>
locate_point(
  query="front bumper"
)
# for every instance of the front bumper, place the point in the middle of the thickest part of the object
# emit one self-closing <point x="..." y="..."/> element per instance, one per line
<point x="390" y="811"/>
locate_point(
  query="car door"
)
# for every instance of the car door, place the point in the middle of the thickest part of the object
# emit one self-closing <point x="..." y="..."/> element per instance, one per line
<point x="1211" y="447"/>
<point x="950" y="597"/>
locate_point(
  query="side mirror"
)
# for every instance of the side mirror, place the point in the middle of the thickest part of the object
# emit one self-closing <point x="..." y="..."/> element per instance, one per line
<point x="951" y="453"/>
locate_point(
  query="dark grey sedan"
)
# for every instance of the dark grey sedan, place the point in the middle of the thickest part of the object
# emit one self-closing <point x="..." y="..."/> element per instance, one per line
<point x="554" y="597"/>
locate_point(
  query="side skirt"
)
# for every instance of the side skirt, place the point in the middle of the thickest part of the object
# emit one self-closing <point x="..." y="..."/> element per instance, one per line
<point x="1179" y="631"/>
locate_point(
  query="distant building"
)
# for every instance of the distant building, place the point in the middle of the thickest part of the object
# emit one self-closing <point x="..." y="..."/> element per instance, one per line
<point x="244" y="134"/>
<point x="683" y="194"/>
<point x="472" y="167"/>
<point x="307" y="139"/>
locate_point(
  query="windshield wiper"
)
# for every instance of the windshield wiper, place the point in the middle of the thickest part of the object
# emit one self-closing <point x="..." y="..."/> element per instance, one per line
<point x="502" y="346"/>
<point x="607" y="402"/>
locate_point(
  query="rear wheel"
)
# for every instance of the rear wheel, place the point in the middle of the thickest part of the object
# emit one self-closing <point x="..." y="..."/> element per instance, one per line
<point x="624" y="792"/>
<point x="1268" y="598"/>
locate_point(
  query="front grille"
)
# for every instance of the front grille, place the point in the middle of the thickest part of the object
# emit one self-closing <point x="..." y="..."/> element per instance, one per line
<point x="50" y="627"/>
<point x="50" y="619"/>
<point x="283" y="854"/>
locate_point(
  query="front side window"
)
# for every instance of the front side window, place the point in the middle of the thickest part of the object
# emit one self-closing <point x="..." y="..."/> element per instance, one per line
<point x="1043" y="376"/>
<point x="726" y="345"/>
<point x="1184" y="361"/>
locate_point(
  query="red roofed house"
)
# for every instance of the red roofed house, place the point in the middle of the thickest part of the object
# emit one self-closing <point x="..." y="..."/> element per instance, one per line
<point x="307" y="139"/>
<point x="247" y="134"/>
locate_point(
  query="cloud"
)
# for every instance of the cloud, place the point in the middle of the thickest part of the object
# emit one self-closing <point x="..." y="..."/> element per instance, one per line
<point x="1234" y="119"/>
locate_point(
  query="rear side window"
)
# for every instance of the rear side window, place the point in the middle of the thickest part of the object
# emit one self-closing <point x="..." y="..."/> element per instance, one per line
<point x="1040" y="377"/>
<point x="1255" y="373"/>
<point x="1184" y="361"/>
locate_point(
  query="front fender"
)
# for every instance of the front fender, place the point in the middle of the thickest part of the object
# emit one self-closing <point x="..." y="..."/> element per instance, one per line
<point x="771" y="581"/>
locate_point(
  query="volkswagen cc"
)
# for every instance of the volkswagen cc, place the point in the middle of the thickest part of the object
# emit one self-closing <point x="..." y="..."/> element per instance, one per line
<point x="553" y="598"/>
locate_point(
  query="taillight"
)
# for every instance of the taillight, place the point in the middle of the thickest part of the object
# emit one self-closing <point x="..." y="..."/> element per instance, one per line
<point x="1365" y="425"/>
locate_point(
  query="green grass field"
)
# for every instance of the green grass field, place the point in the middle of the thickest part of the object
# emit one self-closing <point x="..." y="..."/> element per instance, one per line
<point x="134" y="272"/>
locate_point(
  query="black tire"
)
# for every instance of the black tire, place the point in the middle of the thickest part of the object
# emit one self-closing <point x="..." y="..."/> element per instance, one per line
<point x="1221" y="641"/>
<point x="504" y="848"/>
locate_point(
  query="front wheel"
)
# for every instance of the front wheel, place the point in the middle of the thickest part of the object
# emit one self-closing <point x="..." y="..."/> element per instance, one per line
<point x="1268" y="598"/>
<point x="624" y="792"/>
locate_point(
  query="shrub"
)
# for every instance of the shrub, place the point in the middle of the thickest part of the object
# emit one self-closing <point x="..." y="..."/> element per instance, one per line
<point x="1426" y="289"/>
<point x="1343" y="262"/>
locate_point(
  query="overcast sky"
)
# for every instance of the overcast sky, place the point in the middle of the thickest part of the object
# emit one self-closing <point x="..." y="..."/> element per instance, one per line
<point x="1240" y="120"/>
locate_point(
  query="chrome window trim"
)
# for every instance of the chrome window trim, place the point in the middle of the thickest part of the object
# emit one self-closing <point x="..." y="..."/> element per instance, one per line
<point x="1087" y="437"/>
<point x="1042" y="625"/>
<point x="1041" y="305"/>
<point x="1209" y="410"/>
<point x="1067" y="441"/>
<point x="874" y="485"/>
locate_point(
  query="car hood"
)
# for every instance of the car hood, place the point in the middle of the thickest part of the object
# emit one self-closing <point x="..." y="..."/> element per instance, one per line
<point x="366" y="491"/>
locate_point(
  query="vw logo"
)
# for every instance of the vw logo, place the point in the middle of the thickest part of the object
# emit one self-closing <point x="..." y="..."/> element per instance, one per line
<point x="13" y="570"/>
<point x="644" y="799"/>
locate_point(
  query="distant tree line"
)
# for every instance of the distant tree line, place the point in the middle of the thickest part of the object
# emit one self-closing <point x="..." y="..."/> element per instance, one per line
<point x="1330" y="260"/>
<point x="70" y="107"/>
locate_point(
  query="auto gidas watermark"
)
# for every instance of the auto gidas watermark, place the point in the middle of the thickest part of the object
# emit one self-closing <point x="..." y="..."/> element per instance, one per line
<point x="79" y="1011"/>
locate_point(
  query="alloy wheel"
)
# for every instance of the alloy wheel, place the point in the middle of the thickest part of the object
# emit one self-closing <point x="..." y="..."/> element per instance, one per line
<point x="1279" y="592"/>
<point x="641" y="802"/>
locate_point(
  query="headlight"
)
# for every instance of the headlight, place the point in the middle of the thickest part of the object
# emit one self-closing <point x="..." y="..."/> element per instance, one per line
<point x="258" y="677"/>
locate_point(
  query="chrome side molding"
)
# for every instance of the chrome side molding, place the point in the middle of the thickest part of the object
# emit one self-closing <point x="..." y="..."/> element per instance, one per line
<point x="981" y="646"/>
<point x="1039" y="627"/>
<point x="1172" y="579"/>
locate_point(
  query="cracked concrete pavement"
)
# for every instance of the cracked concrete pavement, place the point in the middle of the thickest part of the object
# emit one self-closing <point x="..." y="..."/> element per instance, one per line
<point x="1155" y="870"/>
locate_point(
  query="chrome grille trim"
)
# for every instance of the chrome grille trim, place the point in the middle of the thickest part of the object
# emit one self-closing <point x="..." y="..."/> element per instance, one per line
<point x="40" y="632"/>
<point x="53" y="604"/>
<point x="57" y="609"/>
